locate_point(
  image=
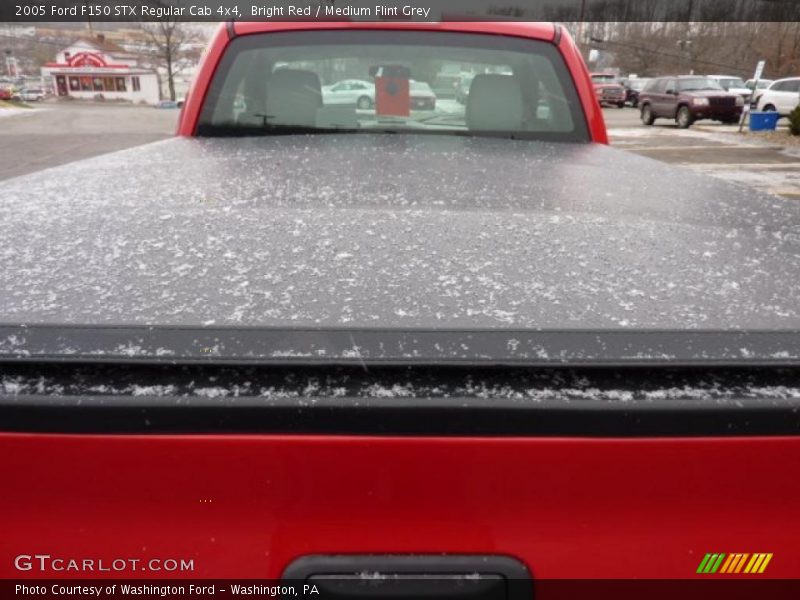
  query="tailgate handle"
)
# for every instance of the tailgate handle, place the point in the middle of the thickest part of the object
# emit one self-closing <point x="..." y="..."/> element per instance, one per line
<point x="412" y="577"/>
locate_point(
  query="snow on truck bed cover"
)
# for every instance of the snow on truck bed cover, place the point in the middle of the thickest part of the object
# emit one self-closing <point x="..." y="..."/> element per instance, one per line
<point x="408" y="232"/>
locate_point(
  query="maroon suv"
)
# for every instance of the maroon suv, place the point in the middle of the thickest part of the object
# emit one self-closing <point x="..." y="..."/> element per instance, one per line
<point x="688" y="98"/>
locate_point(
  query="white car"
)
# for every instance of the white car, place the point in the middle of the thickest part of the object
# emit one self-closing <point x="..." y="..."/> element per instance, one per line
<point x="733" y="84"/>
<point x="762" y="83"/>
<point x="350" y="92"/>
<point x="782" y="96"/>
<point x="757" y="88"/>
<point x="32" y="95"/>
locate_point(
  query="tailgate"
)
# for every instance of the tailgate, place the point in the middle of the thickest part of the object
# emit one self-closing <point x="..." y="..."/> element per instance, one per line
<point x="587" y="475"/>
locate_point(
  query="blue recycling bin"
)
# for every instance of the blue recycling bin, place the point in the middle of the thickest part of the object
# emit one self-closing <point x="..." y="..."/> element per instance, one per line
<point x="763" y="121"/>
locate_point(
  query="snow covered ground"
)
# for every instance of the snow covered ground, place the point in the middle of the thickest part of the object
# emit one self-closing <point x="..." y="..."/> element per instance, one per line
<point x="13" y="111"/>
<point x="746" y="159"/>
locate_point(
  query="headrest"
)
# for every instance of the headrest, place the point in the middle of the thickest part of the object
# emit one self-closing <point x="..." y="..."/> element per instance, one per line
<point x="494" y="103"/>
<point x="293" y="97"/>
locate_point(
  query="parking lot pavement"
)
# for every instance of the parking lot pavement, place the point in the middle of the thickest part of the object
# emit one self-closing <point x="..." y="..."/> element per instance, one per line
<point x="54" y="134"/>
<point x="711" y="148"/>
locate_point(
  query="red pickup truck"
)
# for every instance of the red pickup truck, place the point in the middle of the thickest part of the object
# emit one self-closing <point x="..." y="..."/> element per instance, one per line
<point x="397" y="353"/>
<point x="609" y="90"/>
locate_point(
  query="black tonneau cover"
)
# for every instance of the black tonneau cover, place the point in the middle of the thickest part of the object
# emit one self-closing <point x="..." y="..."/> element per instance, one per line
<point x="394" y="248"/>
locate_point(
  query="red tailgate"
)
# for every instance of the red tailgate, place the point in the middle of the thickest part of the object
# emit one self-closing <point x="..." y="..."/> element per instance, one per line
<point x="244" y="507"/>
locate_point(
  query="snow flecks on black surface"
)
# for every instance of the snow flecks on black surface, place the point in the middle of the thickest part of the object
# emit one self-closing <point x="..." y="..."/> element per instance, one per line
<point x="229" y="385"/>
<point x="393" y="231"/>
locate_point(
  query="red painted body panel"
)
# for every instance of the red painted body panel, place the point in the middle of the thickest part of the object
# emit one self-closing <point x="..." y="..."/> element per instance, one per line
<point x="569" y="508"/>
<point x="539" y="31"/>
<point x="190" y="113"/>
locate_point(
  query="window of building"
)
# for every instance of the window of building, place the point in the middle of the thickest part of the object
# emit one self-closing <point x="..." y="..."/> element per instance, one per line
<point x="86" y="84"/>
<point x="97" y="84"/>
<point x="108" y="84"/>
<point x="135" y="84"/>
<point x="121" y="84"/>
<point x="74" y="84"/>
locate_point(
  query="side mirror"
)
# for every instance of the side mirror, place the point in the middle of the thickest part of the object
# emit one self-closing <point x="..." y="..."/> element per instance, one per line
<point x="672" y="92"/>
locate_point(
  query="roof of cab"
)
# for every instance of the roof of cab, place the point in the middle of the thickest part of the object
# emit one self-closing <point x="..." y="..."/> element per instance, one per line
<point x="533" y="30"/>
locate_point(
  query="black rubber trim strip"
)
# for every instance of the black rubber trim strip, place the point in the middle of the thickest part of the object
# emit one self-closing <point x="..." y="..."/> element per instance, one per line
<point x="365" y="346"/>
<point x="400" y="417"/>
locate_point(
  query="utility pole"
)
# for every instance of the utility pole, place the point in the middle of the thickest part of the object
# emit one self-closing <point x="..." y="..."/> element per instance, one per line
<point x="89" y="20"/>
<point x="686" y="52"/>
<point x="686" y="43"/>
<point x="11" y="51"/>
<point x="581" y="24"/>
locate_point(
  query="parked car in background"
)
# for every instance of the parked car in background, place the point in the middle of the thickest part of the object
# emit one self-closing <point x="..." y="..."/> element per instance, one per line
<point x="361" y="94"/>
<point x="782" y="96"/>
<point x="757" y="88"/>
<point x="462" y="87"/>
<point x="633" y="88"/>
<point x="6" y="92"/>
<point x="608" y="89"/>
<point x="735" y="85"/>
<point x="446" y="81"/>
<point x="32" y="95"/>
<point x="422" y="96"/>
<point x="689" y="98"/>
<point x="350" y="92"/>
<point x="761" y="85"/>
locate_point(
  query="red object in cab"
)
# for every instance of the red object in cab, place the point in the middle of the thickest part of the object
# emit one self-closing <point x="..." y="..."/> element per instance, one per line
<point x="393" y="91"/>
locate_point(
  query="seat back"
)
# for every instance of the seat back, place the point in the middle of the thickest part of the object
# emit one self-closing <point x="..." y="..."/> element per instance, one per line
<point x="293" y="98"/>
<point x="495" y="103"/>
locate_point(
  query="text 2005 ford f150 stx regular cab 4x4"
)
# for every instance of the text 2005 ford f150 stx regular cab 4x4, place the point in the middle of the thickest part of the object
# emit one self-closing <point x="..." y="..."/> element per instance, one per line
<point x="451" y="347"/>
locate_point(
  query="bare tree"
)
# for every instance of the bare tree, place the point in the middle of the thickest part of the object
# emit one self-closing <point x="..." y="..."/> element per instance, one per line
<point x="174" y="45"/>
<point x="732" y="48"/>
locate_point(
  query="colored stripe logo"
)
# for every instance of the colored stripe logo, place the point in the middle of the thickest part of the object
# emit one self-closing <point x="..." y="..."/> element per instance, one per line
<point x="738" y="562"/>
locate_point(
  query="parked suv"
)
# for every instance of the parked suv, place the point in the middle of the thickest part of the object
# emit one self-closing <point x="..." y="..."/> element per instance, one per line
<point x="688" y="98"/>
<point x="782" y="96"/>
<point x="633" y="87"/>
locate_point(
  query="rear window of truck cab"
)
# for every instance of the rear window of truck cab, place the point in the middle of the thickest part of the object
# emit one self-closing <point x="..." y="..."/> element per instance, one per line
<point x="286" y="82"/>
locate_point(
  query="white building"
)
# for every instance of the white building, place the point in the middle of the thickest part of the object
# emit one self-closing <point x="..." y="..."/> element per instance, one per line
<point x="92" y="67"/>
